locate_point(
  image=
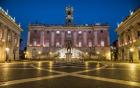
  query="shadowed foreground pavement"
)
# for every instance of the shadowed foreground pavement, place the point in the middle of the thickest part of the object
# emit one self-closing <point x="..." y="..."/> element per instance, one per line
<point x="74" y="75"/>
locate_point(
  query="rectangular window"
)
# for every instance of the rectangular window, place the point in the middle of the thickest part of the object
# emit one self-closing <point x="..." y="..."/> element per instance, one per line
<point x="34" y="43"/>
<point x="57" y="44"/>
<point x="90" y="44"/>
<point x="80" y="44"/>
<point x="47" y="44"/>
<point x="102" y="43"/>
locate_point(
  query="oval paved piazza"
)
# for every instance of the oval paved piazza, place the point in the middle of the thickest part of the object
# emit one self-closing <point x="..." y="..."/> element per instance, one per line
<point x="48" y="74"/>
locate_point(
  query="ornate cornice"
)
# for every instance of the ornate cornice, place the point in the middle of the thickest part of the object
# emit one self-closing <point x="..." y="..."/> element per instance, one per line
<point x="129" y="22"/>
<point x="7" y="21"/>
<point x="40" y="27"/>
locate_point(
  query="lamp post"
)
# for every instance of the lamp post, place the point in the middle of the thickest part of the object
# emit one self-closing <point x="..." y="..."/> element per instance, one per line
<point x="98" y="54"/>
<point x="86" y="56"/>
<point x="26" y="54"/>
<point x="86" y="53"/>
<point x="39" y="54"/>
<point x="90" y="52"/>
<point x="50" y="53"/>
<point x="7" y="53"/>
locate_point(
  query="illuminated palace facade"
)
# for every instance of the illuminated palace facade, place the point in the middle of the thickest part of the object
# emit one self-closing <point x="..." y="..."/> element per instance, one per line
<point x="129" y="37"/>
<point x="9" y="37"/>
<point x="46" y="40"/>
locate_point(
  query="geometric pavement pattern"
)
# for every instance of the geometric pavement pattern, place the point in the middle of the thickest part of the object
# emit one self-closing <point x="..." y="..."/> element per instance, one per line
<point x="59" y="70"/>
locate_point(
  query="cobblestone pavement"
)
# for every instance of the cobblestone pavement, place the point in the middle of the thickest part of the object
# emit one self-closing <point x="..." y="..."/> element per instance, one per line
<point x="47" y="74"/>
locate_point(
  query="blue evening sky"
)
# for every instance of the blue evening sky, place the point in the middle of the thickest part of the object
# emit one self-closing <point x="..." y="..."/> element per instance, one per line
<point x="85" y="12"/>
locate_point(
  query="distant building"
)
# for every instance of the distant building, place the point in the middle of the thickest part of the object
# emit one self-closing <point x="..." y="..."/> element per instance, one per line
<point x="114" y="50"/>
<point x="9" y="37"/>
<point x="129" y="37"/>
<point x="84" y="39"/>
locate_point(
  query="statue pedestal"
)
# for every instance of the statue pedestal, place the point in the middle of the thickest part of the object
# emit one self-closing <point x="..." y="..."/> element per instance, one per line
<point x="68" y="57"/>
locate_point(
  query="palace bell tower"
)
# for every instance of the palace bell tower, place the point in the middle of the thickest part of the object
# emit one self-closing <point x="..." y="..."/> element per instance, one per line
<point x="69" y="15"/>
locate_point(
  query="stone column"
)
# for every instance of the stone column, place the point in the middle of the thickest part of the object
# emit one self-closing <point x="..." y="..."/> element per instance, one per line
<point x="39" y="37"/>
<point x="52" y="39"/>
<point x="85" y="38"/>
<point x="108" y="38"/>
<point x="18" y="40"/>
<point x="62" y="38"/>
<point x="4" y="40"/>
<point x="42" y="38"/>
<point x="106" y="35"/>
<point x="133" y="35"/>
<point x="99" y="37"/>
<point x="96" y="38"/>
<point x="17" y="49"/>
<point x="28" y="41"/>
<point x="75" y="38"/>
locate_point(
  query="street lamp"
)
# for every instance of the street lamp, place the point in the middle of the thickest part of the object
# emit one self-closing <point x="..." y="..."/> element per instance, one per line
<point x="98" y="54"/>
<point x="86" y="65"/>
<point x="39" y="52"/>
<point x="50" y="65"/>
<point x="131" y="49"/>
<point x="86" y="56"/>
<point x="7" y="49"/>
<point x="26" y="54"/>
<point x="50" y="53"/>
